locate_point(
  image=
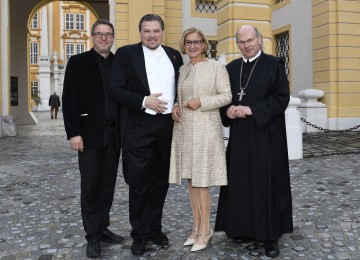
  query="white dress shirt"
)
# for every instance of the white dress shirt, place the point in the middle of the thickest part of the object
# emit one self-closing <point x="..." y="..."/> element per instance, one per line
<point x="161" y="76"/>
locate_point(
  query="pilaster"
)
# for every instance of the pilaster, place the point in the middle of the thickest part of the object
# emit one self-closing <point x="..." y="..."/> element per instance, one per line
<point x="336" y="55"/>
<point x="232" y="14"/>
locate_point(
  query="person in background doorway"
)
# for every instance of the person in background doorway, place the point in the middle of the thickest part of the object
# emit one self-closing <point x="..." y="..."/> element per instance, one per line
<point x="54" y="103"/>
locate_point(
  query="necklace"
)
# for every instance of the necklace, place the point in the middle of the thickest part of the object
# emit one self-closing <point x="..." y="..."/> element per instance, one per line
<point x="242" y="89"/>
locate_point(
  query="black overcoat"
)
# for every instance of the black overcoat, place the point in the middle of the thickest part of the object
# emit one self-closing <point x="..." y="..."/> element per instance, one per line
<point x="83" y="99"/>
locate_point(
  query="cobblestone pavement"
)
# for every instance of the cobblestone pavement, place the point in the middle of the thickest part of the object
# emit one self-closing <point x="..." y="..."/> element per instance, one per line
<point x="40" y="214"/>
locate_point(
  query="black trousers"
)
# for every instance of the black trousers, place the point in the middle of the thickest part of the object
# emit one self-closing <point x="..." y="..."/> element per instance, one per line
<point x="98" y="169"/>
<point x="146" y="162"/>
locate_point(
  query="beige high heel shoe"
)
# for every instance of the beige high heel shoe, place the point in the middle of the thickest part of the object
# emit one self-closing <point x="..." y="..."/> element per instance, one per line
<point x="190" y="241"/>
<point x="198" y="247"/>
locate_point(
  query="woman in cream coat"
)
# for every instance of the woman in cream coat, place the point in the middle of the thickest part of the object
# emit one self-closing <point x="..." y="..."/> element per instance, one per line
<point x="198" y="151"/>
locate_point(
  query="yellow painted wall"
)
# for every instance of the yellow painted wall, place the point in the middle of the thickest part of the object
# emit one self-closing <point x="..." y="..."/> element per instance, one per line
<point x="127" y="31"/>
<point x="336" y="55"/>
<point x="233" y="14"/>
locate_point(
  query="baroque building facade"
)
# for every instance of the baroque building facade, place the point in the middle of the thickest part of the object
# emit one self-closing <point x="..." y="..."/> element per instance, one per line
<point x="318" y="39"/>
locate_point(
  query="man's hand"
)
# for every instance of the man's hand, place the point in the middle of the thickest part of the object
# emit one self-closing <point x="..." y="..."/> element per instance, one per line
<point x="76" y="143"/>
<point x="238" y="111"/>
<point x="154" y="103"/>
<point x="231" y="112"/>
<point x="193" y="104"/>
<point x="176" y="113"/>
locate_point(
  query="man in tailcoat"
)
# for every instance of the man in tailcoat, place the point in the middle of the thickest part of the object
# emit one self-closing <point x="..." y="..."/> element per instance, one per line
<point x="91" y="119"/>
<point x="256" y="204"/>
<point x="143" y="81"/>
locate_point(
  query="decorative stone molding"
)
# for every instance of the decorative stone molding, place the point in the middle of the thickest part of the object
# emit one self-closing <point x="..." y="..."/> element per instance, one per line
<point x="312" y="110"/>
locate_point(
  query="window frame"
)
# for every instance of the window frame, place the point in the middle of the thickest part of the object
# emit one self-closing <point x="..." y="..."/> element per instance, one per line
<point x="34" y="53"/>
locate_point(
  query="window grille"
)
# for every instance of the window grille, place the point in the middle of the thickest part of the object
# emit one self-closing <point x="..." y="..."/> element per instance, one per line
<point x="74" y="21"/>
<point x="208" y="7"/>
<point x="35" y="21"/>
<point x="282" y="49"/>
<point x="278" y="1"/>
<point x="212" y="50"/>
<point x="34" y="52"/>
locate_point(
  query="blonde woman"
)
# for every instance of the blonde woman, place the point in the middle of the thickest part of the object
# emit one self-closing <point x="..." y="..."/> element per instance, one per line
<point x="197" y="151"/>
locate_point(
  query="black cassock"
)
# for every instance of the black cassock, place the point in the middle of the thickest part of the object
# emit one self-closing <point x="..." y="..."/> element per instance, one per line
<point x="257" y="200"/>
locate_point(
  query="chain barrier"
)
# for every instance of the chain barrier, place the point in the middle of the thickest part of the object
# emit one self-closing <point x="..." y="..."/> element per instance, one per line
<point x="329" y="130"/>
<point x="320" y="128"/>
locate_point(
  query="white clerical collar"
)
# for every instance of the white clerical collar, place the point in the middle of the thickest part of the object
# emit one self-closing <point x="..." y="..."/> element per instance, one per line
<point x="253" y="58"/>
<point x="159" y="51"/>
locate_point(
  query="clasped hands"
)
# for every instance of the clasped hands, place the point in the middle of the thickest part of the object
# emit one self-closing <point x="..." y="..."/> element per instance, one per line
<point x="238" y="111"/>
<point x="192" y="104"/>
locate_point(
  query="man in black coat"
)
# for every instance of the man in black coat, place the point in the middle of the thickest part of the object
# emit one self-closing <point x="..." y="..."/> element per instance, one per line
<point x="91" y="119"/>
<point x="256" y="204"/>
<point x="143" y="81"/>
<point x="54" y="103"/>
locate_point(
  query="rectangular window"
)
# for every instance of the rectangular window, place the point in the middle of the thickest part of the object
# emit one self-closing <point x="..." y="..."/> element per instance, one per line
<point x="73" y="49"/>
<point x="69" y="21"/>
<point x="278" y="1"/>
<point x="202" y="6"/>
<point x="282" y="49"/>
<point x="34" y="52"/>
<point x="34" y="88"/>
<point x="74" y="22"/>
<point x="211" y="52"/>
<point x="80" y="22"/>
<point x="35" y="21"/>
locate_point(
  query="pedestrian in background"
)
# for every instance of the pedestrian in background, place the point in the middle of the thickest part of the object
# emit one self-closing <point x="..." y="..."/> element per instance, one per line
<point x="143" y="82"/>
<point x="198" y="150"/>
<point x="54" y="103"/>
<point x="256" y="204"/>
<point x="91" y="119"/>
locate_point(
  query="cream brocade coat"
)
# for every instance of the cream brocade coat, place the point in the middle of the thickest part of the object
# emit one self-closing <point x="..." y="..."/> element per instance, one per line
<point x="197" y="149"/>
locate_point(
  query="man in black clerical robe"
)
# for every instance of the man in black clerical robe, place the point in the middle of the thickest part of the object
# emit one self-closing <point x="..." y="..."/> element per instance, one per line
<point x="256" y="204"/>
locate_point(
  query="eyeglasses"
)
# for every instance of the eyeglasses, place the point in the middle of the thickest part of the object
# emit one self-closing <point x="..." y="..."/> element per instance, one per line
<point x="99" y="35"/>
<point x="247" y="41"/>
<point x="196" y="42"/>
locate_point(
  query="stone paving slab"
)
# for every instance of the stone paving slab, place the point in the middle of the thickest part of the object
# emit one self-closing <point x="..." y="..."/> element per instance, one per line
<point x="40" y="214"/>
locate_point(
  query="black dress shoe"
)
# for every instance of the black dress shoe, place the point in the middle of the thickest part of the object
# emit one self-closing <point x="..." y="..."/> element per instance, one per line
<point x="110" y="237"/>
<point x="138" y="246"/>
<point x="242" y="239"/>
<point x="93" y="248"/>
<point x="271" y="248"/>
<point x="159" y="238"/>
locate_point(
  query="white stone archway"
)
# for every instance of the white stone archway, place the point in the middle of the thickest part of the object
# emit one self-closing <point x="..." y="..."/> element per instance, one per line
<point x="15" y="14"/>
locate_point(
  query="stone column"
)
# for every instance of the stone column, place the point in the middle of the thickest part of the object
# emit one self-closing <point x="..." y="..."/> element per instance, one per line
<point x="44" y="63"/>
<point x="8" y="126"/>
<point x="293" y="130"/>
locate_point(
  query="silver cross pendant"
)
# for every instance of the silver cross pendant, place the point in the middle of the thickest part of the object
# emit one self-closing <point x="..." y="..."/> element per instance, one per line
<point x="241" y="94"/>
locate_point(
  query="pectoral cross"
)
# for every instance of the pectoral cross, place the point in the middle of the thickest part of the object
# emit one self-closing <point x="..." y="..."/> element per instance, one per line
<point x="241" y="94"/>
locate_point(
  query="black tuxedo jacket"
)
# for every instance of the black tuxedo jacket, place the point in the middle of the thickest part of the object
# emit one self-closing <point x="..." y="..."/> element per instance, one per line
<point x="83" y="99"/>
<point x="128" y="81"/>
